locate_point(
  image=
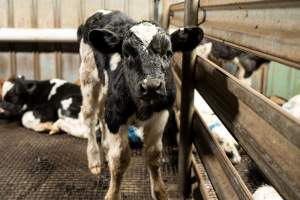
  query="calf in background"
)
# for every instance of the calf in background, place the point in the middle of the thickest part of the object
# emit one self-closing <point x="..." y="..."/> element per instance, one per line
<point x="51" y="105"/>
<point x="238" y="63"/>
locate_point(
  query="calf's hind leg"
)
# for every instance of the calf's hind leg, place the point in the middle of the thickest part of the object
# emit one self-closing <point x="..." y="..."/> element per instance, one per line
<point x="90" y="88"/>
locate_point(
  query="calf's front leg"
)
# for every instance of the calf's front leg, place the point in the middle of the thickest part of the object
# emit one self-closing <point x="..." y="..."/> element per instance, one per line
<point x="118" y="156"/>
<point x="153" y="132"/>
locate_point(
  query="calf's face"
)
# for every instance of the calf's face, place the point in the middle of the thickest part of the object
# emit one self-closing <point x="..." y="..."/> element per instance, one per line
<point x="15" y="94"/>
<point x="146" y="51"/>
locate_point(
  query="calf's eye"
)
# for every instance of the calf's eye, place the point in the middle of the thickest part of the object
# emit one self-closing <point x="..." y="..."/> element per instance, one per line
<point x="169" y="53"/>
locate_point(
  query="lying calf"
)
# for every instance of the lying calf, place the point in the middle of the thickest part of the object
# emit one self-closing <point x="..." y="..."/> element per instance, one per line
<point x="218" y="130"/>
<point x="51" y="105"/>
<point x="266" y="192"/>
<point x="126" y="78"/>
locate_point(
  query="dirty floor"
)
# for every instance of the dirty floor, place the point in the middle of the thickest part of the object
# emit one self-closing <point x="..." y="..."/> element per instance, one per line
<point x="39" y="166"/>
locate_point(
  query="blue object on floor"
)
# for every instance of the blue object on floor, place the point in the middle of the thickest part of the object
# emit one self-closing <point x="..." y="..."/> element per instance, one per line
<point x="134" y="140"/>
<point x="133" y="137"/>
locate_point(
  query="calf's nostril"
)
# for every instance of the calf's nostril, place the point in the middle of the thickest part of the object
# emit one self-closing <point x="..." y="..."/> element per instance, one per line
<point x="143" y="88"/>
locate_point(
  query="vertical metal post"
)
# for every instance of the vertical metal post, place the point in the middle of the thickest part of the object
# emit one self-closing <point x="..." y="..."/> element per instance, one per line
<point x="156" y="4"/>
<point x="187" y="103"/>
<point x="58" y="54"/>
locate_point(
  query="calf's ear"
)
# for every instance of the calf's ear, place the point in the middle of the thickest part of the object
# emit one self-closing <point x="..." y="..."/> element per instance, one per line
<point x="186" y="39"/>
<point x="105" y="40"/>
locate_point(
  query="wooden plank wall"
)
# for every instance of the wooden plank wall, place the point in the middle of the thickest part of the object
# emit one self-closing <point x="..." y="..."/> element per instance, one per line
<point x="56" y="61"/>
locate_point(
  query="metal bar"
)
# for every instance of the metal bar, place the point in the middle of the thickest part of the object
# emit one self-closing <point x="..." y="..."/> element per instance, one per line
<point x="226" y="180"/>
<point x="187" y="102"/>
<point x="223" y="3"/>
<point x="38" y="35"/>
<point x="270" y="136"/>
<point x="57" y="24"/>
<point x="156" y="5"/>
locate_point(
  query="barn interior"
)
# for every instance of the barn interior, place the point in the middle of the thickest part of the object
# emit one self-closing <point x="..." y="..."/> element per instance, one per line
<point x="239" y="87"/>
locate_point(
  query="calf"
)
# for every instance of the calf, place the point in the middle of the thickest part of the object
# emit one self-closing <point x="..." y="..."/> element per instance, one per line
<point x="238" y="63"/>
<point x="126" y="78"/>
<point x="50" y="105"/>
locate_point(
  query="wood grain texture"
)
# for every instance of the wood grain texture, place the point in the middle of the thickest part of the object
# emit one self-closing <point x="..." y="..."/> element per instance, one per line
<point x="70" y="18"/>
<point x="46" y="20"/>
<point x="4" y="56"/>
<point x="23" y="18"/>
<point x="268" y="134"/>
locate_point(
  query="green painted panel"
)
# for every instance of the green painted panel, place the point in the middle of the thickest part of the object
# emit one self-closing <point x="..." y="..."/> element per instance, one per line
<point x="283" y="81"/>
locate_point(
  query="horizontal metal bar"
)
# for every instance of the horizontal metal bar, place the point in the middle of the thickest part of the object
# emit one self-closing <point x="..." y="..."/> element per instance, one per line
<point x="37" y="35"/>
<point x="224" y="3"/>
<point x="270" y="136"/>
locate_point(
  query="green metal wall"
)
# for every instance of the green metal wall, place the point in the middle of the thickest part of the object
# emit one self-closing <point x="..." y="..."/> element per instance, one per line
<point x="282" y="81"/>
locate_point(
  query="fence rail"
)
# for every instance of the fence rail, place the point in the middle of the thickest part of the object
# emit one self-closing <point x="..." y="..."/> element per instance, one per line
<point x="269" y="135"/>
<point x="268" y="28"/>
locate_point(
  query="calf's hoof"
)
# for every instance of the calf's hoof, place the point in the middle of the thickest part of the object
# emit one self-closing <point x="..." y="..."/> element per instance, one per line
<point x="96" y="170"/>
<point x="160" y="192"/>
<point x="112" y="196"/>
<point x="53" y="129"/>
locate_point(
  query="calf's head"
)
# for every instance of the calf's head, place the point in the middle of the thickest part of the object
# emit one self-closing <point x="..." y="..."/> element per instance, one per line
<point x="146" y="51"/>
<point x="15" y="94"/>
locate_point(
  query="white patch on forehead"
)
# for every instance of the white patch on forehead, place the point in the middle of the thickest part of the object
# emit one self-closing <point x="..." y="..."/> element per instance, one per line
<point x="7" y="86"/>
<point x="104" y="12"/>
<point x="145" y="31"/>
<point x="114" y="61"/>
<point x="66" y="103"/>
<point x="57" y="84"/>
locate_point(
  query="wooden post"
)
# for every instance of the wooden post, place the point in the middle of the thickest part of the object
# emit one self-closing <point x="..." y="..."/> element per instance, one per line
<point x="165" y="14"/>
<point x="187" y="103"/>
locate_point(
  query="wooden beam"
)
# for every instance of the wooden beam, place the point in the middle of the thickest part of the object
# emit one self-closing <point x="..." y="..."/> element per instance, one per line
<point x="187" y="103"/>
<point x="225" y="179"/>
<point x="243" y="24"/>
<point x="270" y="136"/>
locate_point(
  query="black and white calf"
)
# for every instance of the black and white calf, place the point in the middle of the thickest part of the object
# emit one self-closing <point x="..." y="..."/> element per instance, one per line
<point x="51" y="105"/>
<point x="238" y="63"/>
<point x="126" y="78"/>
